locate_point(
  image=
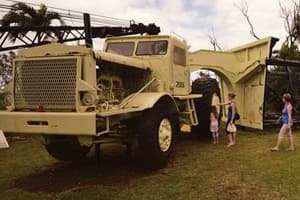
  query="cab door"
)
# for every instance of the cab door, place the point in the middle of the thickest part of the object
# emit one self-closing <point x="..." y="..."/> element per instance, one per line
<point x="180" y="72"/>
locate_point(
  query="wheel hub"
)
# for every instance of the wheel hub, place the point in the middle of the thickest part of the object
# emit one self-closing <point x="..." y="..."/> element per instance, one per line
<point x="165" y="134"/>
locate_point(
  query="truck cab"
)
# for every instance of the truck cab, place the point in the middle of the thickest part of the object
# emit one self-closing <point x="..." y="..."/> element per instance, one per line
<point x="166" y="55"/>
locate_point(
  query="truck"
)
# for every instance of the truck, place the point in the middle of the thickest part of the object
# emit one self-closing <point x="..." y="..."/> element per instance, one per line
<point x="137" y="91"/>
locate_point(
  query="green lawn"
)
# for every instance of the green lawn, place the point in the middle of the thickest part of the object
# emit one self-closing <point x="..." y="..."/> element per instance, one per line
<point x="197" y="170"/>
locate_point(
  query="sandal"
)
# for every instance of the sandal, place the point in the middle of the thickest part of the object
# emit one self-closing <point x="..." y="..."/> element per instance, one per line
<point x="274" y="149"/>
<point x="229" y="145"/>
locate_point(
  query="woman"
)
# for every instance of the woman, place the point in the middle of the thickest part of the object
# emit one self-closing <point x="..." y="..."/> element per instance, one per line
<point x="230" y="118"/>
<point x="287" y="122"/>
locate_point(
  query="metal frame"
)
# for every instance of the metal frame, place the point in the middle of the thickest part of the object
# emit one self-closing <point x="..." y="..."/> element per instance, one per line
<point x="34" y="36"/>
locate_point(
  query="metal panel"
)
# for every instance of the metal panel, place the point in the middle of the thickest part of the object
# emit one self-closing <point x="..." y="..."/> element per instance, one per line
<point x="61" y="123"/>
<point x="47" y="82"/>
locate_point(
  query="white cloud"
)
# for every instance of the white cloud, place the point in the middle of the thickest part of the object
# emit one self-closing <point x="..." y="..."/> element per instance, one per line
<point x="192" y="19"/>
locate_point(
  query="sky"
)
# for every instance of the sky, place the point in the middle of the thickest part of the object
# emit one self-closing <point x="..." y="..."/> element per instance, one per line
<point x="191" y="19"/>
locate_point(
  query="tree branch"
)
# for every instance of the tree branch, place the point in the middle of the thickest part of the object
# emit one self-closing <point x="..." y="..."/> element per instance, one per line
<point x="213" y="40"/>
<point x="243" y="7"/>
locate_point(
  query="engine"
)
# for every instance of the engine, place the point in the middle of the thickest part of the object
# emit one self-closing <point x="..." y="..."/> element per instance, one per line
<point x="111" y="91"/>
<point x="115" y="82"/>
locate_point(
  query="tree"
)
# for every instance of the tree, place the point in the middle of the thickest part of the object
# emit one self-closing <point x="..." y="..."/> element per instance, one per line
<point x="23" y="15"/>
<point x="278" y="84"/>
<point x="213" y="41"/>
<point x="289" y="50"/>
<point x="244" y="8"/>
<point x="6" y="60"/>
<point x="291" y="17"/>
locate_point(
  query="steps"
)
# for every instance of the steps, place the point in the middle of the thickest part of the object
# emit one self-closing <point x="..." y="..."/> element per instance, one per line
<point x="189" y="115"/>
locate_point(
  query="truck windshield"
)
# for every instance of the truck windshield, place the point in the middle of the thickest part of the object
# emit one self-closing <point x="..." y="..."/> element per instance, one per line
<point x="152" y="48"/>
<point x="121" y="48"/>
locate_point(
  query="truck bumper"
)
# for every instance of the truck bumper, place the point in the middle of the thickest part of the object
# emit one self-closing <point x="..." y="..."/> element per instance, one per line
<point x="48" y="123"/>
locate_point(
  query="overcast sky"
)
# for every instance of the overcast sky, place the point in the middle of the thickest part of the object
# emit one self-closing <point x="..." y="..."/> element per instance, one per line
<point x="192" y="19"/>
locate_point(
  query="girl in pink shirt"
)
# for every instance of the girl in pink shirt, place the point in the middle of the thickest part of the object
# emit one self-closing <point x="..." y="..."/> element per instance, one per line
<point x="214" y="125"/>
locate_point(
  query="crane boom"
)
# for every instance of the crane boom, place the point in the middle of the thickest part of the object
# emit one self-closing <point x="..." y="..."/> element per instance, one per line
<point x="37" y="35"/>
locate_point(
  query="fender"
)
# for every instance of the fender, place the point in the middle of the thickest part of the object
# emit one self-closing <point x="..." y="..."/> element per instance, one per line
<point x="147" y="100"/>
<point x="140" y="102"/>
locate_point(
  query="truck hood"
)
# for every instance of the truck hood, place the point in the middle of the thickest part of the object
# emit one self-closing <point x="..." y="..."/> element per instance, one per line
<point x="57" y="49"/>
<point x="124" y="60"/>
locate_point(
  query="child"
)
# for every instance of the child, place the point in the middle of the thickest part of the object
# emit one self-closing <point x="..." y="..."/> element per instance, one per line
<point x="214" y="125"/>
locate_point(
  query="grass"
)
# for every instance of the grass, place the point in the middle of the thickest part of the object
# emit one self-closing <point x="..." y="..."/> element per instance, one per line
<point x="197" y="170"/>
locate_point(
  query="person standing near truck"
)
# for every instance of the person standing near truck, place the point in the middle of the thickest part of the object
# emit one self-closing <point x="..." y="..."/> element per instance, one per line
<point x="287" y="122"/>
<point x="214" y="125"/>
<point x="231" y="117"/>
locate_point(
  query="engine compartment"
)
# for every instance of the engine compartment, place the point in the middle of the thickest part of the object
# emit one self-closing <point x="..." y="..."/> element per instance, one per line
<point x="116" y="81"/>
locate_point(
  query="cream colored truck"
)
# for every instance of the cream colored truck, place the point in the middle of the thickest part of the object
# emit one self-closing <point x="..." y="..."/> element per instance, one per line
<point x="137" y="91"/>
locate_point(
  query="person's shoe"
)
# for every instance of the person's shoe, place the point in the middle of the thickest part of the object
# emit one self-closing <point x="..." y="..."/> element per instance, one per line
<point x="291" y="149"/>
<point x="274" y="149"/>
<point x="230" y="144"/>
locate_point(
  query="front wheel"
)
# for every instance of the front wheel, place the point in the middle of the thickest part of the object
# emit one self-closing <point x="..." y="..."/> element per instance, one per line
<point x="155" y="139"/>
<point x="65" y="148"/>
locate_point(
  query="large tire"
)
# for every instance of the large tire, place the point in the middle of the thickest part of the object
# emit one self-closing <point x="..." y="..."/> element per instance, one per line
<point x="65" y="148"/>
<point x="156" y="136"/>
<point x="210" y="90"/>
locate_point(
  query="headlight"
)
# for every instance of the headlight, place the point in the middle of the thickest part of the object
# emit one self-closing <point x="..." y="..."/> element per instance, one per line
<point x="88" y="99"/>
<point x="8" y="99"/>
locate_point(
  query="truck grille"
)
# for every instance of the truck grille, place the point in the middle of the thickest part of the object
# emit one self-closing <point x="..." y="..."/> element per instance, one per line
<point x="50" y="83"/>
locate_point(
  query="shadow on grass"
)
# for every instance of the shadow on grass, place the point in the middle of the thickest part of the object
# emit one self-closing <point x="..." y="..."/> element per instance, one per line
<point x="116" y="170"/>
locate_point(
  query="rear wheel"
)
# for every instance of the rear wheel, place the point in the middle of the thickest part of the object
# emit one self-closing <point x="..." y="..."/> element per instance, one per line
<point x="65" y="148"/>
<point x="156" y="136"/>
<point x="210" y="90"/>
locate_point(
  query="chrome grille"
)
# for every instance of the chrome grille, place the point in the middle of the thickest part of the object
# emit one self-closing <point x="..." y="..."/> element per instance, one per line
<point x="50" y="83"/>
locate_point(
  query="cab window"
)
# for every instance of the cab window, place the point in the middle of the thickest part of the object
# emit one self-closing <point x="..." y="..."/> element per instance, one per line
<point x="179" y="57"/>
<point x="121" y="48"/>
<point x="152" y="48"/>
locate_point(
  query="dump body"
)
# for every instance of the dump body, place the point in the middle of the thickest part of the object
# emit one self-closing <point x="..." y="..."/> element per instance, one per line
<point x="242" y="70"/>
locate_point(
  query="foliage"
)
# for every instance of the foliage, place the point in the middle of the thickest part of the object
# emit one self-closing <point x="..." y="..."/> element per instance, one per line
<point x="24" y="15"/>
<point x="288" y="81"/>
<point x="276" y="86"/>
<point x="6" y="60"/>
<point x="289" y="52"/>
